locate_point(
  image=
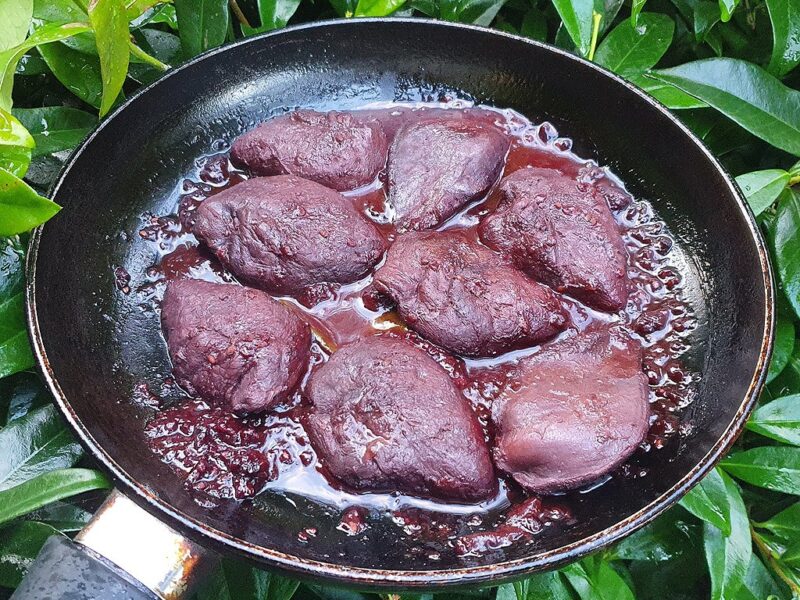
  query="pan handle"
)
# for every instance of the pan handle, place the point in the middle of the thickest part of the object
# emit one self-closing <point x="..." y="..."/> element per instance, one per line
<point x="123" y="553"/>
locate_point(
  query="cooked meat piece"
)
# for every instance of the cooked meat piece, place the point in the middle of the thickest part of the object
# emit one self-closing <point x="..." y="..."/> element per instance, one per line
<point x="575" y="411"/>
<point x="285" y="233"/>
<point x="338" y="150"/>
<point x="386" y="417"/>
<point x="562" y="233"/>
<point x="465" y="297"/>
<point x="438" y="166"/>
<point x="232" y="345"/>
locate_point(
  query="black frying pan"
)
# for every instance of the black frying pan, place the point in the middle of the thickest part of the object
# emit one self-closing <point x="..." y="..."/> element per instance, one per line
<point x="94" y="344"/>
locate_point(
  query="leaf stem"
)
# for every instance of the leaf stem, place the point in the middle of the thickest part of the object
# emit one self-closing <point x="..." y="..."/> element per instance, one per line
<point x="596" y="18"/>
<point x="769" y="556"/>
<point x="240" y="16"/>
<point x="794" y="180"/>
<point x="145" y="57"/>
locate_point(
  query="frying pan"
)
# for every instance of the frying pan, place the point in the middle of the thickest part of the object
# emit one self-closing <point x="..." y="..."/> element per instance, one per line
<point x="94" y="344"/>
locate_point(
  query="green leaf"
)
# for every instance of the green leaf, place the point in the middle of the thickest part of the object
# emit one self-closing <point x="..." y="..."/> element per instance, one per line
<point x="19" y="545"/>
<point x="576" y="16"/>
<point x="783" y="348"/>
<point x="22" y="392"/>
<point x="237" y="580"/>
<point x="15" y="350"/>
<point x="761" y="188"/>
<point x="728" y="556"/>
<point x="39" y="38"/>
<point x="21" y="209"/>
<point x="726" y="8"/>
<point x="786" y="243"/>
<point x="632" y="50"/>
<point x="375" y="8"/>
<point x="66" y="11"/>
<point x="636" y="8"/>
<point x="202" y="24"/>
<point x="480" y="12"/>
<point x="785" y="525"/>
<point x="275" y="14"/>
<point x="66" y="517"/>
<point x="595" y="579"/>
<point x="534" y="25"/>
<point x="56" y="128"/>
<point x="548" y="585"/>
<point x="34" y="444"/>
<point x="772" y="467"/>
<point x="785" y="18"/>
<point x="110" y="22"/>
<point x="759" y="584"/>
<point x="745" y="93"/>
<point x="706" y="16"/>
<point x="15" y="145"/>
<point x="667" y="94"/>
<point x="666" y="538"/>
<point x="15" y="22"/>
<point x="78" y="72"/>
<point x="779" y="420"/>
<point x="709" y="501"/>
<point x="47" y="488"/>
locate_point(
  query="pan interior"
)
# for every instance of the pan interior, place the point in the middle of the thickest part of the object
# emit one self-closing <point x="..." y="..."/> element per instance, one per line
<point x="100" y="343"/>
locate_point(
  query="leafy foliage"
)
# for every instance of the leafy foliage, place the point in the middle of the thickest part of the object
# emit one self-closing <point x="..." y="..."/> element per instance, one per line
<point x="728" y="68"/>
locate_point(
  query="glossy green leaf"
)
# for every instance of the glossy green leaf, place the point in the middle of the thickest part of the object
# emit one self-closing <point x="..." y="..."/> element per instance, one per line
<point x="636" y="9"/>
<point x="202" y="24"/>
<point x="577" y="18"/>
<point x="19" y="545"/>
<point x="22" y="392"/>
<point x="550" y="585"/>
<point x="78" y="72"/>
<point x="41" y="38"/>
<point x="480" y="12"/>
<point x="34" y="444"/>
<point x="726" y="8"/>
<point x="15" y="350"/>
<point x="15" y="21"/>
<point x="667" y="94"/>
<point x="15" y="145"/>
<point x="110" y="23"/>
<point x="783" y="347"/>
<point x="56" y="128"/>
<point x="705" y="16"/>
<point x="274" y="14"/>
<point x="21" y="209"/>
<point x="745" y="93"/>
<point x="779" y="420"/>
<point x="136" y="8"/>
<point x="709" y="501"/>
<point x="630" y="50"/>
<point x="376" y="8"/>
<point x="236" y="580"/>
<point x="785" y="18"/>
<point x="63" y="516"/>
<point x="786" y="524"/>
<point x="772" y="467"/>
<point x="728" y="556"/>
<point x="595" y="579"/>
<point x="48" y="487"/>
<point x="786" y="243"/>
<point x="759" y="584"/>
<point x="534" y="25"/>
<point x="762" y="188"/>
<point x="667" y="537"/>
<point x="66" y="11"/>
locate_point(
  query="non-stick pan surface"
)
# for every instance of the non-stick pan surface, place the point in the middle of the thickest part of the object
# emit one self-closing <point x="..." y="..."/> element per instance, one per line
<point x="95" y="343"/>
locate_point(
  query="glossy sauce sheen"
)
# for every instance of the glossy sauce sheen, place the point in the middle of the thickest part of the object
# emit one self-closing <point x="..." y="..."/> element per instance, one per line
<point x="223" y="456"/>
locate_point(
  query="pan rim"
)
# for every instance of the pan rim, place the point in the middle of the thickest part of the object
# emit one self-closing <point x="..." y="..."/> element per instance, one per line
<point x="492" y="573"/>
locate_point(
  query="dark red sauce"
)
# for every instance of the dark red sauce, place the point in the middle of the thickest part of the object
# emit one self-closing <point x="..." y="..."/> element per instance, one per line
<point x="223" y="456"/>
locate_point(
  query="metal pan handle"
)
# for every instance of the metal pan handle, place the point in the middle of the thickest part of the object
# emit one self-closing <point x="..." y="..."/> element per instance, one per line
<point x="123" y="553"/>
